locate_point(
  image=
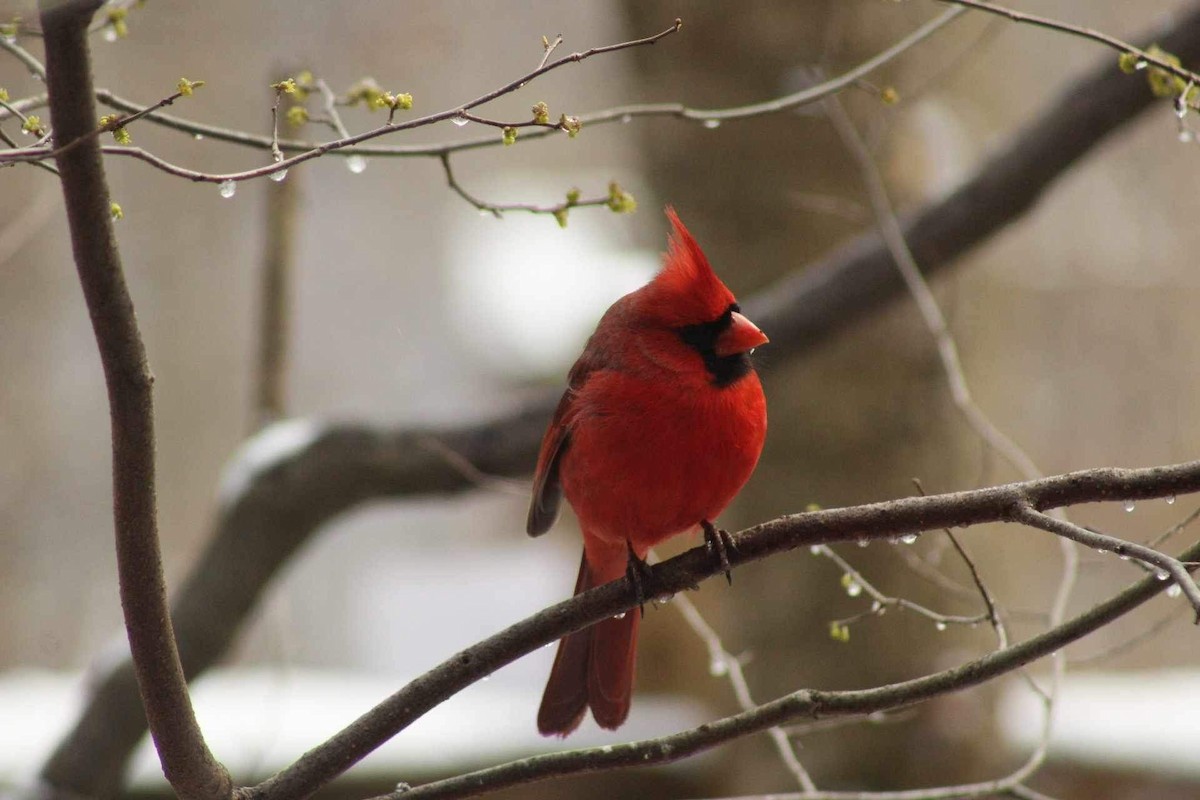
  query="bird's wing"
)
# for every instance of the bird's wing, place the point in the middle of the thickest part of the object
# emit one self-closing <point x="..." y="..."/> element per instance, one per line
<point x="547" y="488"/>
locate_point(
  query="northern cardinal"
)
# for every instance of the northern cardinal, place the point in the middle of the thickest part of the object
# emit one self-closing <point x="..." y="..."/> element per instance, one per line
<point x="661" y="424"/>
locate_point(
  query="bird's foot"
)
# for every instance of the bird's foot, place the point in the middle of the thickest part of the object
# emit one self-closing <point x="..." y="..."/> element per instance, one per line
<point x="639" y="575"/>
<point x="721" y="544"/>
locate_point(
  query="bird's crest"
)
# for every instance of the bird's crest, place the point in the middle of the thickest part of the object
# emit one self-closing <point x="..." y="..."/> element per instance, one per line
<point x="686" y="291"/>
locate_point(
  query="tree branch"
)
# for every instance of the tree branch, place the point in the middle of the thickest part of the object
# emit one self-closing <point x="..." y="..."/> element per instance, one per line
<point x="186" y="760"/>
<point x="278" y="505"/>
<point x="874" y="521"/>
<point x="805" y="703"/>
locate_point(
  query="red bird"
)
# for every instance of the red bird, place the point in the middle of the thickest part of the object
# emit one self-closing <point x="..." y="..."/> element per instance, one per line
<point x="662" y="422"/>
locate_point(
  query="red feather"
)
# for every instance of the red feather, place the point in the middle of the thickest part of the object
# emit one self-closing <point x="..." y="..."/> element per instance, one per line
<point x="662" y="423"/>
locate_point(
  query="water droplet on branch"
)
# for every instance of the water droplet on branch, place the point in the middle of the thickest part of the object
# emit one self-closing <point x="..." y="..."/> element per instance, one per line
<point x="356" y="164"/>
<point x="227" y="189"/>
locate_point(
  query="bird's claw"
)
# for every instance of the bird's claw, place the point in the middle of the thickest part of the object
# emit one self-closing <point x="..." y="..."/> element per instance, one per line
<point x="639" y="575"/>
<point x="721" y="543"/>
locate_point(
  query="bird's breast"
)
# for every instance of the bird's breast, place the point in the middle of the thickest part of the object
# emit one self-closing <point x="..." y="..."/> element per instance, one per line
<point x="649" y="459"/>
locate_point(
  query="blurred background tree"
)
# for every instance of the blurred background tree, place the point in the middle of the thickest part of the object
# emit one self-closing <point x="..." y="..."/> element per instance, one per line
<point x="410" y="307"/>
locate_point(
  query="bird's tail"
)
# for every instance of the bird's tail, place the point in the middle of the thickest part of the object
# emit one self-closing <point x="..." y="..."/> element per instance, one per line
<point x="593" y="668"/>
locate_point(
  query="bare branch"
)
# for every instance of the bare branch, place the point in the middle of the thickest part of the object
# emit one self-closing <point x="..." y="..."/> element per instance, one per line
<point x="875" y="521"/>
<point x="192" y="770"/>
<point x="277" y="508"/>
<point x="799" y="705"/>
<point x="345" y="145"/>
<point x="1076" y="30"/>
<point x="1168" y="568"/>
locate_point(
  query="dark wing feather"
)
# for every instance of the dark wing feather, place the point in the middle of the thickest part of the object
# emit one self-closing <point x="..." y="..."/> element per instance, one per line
<point x="547" y="488"/>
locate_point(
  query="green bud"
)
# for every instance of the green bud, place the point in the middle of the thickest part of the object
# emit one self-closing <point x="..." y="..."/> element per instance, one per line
<point x="571" y="125"/>
<point x="3" y="94"/>
<point x="509" y="135"/>
<point x="297" y="116"/>
<point x="285" y="86"/>
<point x="889" y="96"/>
<point x="402" y="102"/>
<point x="1162" y="82"/>
<point x="619" y="200"/>
<point x="33" y="125"/>
<point x="116" y="211"/>
<point x="572" y="197"/>
<point x="541" y="113"/>
<point x="366" y="91"/>
<point x="1128" y="62"/>
<point x="560" y="215"/>
<point x="186" y="87"/>
<point x="121" y="136"/>
<point x="839" y="632"/>
<point x="116" y="19"/>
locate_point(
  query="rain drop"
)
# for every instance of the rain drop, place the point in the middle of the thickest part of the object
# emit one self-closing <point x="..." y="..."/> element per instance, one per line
<point x="356" y="164"/>
<point x="620" y="616"/>
<point x="460" y="121"/>
<point x="1129" y="505"/>
<point x="278" y="175"/>
<point x="1171" y="500"/>
<point x="1174" y="590"/>
<point x="815" y="549"/>
<point x="1141" y="64"/>
<point x="941" y="626"/>
<point x="863" y="542"/>
<point x="712" y="123"/>
<point x="199" y="137"/>
<point x="626" y="119"/>
<point x="877" y="607"/>
<point x="909" y="538"/>
<point x="718" y="668"/>
<point x="1186" y="136"/>
<point x="853" y="588"/>
<point x="1162" y="575"/>
<point x="227" y="189"/>
<point x="110" y="35"/>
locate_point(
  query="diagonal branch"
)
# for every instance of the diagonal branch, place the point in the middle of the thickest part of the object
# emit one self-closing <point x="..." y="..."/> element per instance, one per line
<point x="803" y="704"/>
<point x="278" y="505"/>
<point x="186" y="760"/>
<point x="873" y="521"/>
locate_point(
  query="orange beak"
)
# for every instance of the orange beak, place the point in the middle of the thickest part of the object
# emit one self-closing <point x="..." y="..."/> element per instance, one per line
<point x="740" y="337"/>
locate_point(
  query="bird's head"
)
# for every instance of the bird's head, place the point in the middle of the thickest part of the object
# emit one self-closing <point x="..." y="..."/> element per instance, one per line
<point x="693" y="316"/>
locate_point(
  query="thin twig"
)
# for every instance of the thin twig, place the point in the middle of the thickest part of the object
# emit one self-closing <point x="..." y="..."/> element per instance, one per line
<point x="723" y="662"/>
<point x="345" y="145"/>
<point x="1130" y="643"/>
<point x="548" y="48"/>
<point x="856" y="583"/>
<point x="1167" y="566"/>
<point x="896" y="243"/>
<point x="275" y="303"/>
<point x="497" y="209"/>
<point x="1175" y="529"/>
<point x="1113" y="42"/>
<point x="35" y="67"/>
